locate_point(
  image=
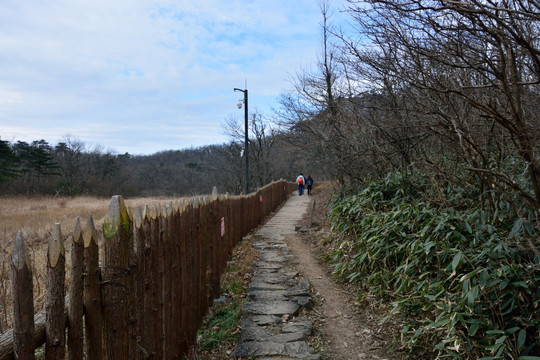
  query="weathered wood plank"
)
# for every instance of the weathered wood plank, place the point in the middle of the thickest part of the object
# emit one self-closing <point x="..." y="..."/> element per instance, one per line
<point x="91" y="293"/>
<point x="76" y="299"/>
<point x="204" y="234"/>
<point x="215" y="238"/>
<point x="165" y="250"/>
<point x="138" y="270"/>
<point x="188" y="274"/>
<point x="115" y="285"/>
<point x="156" y="285"/>
<point x="174" y="282"/>
<point x="55" y="346"/>
<point x="195" y="267"/>
<point x="148" y="341"/>
<point x="23" y="302"/>
<point x="132" y="277"/>
<point x="198" y="242"/>
<point x="184" y="278"/>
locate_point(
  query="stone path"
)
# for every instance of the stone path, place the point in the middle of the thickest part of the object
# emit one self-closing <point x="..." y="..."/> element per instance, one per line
<point x="272" y="325"/>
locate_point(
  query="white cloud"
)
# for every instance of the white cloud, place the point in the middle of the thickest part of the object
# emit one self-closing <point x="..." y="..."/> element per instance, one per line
<point x="134" y="74"/>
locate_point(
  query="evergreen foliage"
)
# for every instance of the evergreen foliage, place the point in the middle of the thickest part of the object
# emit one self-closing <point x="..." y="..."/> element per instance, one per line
<point x="8" y="162"/>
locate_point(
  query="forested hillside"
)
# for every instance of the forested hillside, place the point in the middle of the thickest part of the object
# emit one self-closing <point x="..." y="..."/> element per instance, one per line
<point x="71" y="168"/>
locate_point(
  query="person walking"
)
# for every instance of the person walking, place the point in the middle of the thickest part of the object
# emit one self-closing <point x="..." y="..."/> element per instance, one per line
<point x="301" y="181"/>
<point x="309" y="183"/>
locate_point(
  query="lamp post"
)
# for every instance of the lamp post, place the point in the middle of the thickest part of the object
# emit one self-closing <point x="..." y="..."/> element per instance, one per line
<point x="246" y="148"/>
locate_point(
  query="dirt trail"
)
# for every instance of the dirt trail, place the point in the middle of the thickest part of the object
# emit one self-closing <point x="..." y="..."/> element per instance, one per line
<point x="347" y="331"/>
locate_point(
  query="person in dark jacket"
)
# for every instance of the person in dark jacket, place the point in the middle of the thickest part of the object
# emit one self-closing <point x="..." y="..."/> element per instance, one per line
<point x="309" y="183"/>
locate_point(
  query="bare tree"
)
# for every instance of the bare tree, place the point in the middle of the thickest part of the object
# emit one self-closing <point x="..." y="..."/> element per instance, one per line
<point x="71" y="155"/>
<point x="313" y="108"/>
<point x="261" y="140"/>
<point x="470" y="71"/>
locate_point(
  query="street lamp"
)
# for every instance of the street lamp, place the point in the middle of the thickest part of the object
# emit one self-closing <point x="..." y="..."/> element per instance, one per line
<point x="246" y="151"/>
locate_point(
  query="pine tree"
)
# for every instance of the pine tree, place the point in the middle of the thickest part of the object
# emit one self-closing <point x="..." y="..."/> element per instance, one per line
<point x="8" y="163"/>
<point x="42" y="161"/>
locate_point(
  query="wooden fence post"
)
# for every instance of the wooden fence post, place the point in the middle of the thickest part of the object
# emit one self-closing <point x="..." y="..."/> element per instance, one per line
<point x="240" y="219"/>
<point x="23" y="301"/>
<point x="190" y="260"/>
<point x="231" y="225"/>
<point x="75" y="309"/>
<point x="254" y="213"/>
<point x="215" y="240"/>
<point x="196" y="256"/>
<point x="92" y="296"/>
<point x="157" y="283"/>
<point x="165" y="253"/>
<point x="149" y="337"/>
<point x="205" y="246"/>
<point x="183" y="292"/>
<point x="132" y="299"/>
<point x="55" y="329"/>
<point x="114" y="288"/>
<point x="174" y="226"/>
<point x="139" y="276"/>
<point x="222" y="248"/>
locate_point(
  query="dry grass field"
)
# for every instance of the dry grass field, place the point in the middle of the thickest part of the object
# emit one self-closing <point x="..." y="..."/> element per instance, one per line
<point x="35" y="218"/>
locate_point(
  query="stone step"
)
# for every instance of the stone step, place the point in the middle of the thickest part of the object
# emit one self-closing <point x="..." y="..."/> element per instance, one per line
<point x="271" y="326"/>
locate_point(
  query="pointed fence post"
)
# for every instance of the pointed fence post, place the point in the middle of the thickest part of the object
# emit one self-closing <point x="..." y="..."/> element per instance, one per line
<point x="92" y="296"/>
<point x="185" y="299"/>
<point x="203" y="257"/>
<point x="148" y="341"/>
<point x="23" y="301"/>
<point x="157" y="248"/>
<point x="55" y="329"/>
<point x="165" y="250"/>
<point x="138" y="280"/>
<point x="114" y="286"/>
<point x="190" y="274"/>
<point x="75" y="312"/>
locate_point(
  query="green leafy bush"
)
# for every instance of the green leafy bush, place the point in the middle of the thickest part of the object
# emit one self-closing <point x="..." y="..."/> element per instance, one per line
<point x="466" y="283"/>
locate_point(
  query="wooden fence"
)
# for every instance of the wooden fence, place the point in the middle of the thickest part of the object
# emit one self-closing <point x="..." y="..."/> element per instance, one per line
<point x="145" y="295"/>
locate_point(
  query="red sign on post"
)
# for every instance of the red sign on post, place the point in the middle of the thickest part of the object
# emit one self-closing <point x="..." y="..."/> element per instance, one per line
<point x="260" y="198"/>
<point x="222" y="226"/>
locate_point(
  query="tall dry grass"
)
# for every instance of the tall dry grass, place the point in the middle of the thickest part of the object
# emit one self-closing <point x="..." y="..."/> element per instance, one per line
<point x="35" y="218"/>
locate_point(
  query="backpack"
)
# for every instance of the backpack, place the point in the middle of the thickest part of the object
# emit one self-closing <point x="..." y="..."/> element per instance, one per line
<point x="300" y="181"/>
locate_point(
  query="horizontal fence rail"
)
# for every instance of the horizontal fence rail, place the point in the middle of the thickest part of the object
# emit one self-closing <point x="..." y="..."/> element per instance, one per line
<point x="144" y="294"/>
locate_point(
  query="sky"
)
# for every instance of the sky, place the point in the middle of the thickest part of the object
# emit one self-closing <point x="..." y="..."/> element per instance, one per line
<point x="142" y="76"/>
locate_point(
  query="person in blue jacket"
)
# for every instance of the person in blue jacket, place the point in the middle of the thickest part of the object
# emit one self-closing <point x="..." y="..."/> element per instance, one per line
<point x="309" y="183"/>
